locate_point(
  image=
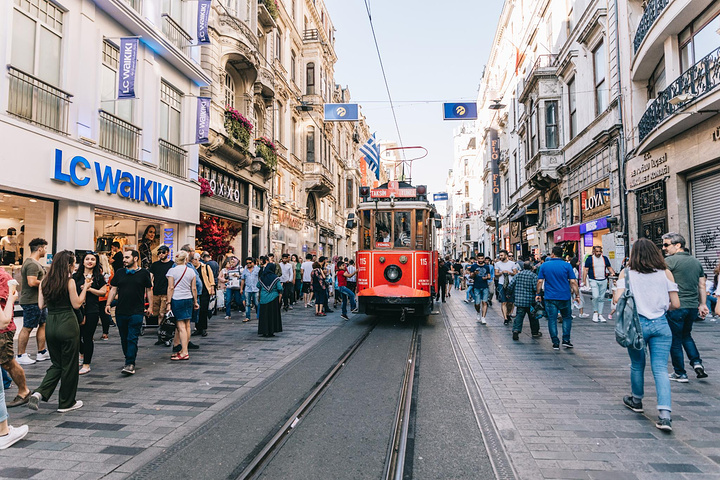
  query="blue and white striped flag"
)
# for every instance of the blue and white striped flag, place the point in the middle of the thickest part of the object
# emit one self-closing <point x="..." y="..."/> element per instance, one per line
<point x="371" y="150"/>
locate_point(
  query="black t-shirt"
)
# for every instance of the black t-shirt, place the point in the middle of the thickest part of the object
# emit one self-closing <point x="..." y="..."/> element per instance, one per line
<point x="458" y="268"/>
<point x="92" y="302"/>
<point x="117" y="262"/>
<point x="442" y="272"/>
<point x="160" y="282"/>
<point x="131" y="291"/>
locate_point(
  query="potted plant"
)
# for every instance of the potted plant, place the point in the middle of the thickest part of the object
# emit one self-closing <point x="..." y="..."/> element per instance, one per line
<point x="238" y="128"/>
<point x="266" y="149"/>
<point x="272" y="7"/>
<point x="205" y="190"/>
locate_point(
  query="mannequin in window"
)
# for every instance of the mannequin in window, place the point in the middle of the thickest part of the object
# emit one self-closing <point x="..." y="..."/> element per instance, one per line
<point x="10" y="247"/>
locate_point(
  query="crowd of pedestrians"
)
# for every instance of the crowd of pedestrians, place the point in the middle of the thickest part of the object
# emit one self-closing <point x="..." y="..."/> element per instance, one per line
<point x="66" y="303"/>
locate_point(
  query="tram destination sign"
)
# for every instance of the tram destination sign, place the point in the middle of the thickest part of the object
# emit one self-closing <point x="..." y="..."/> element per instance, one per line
<point x="393" y="190"/>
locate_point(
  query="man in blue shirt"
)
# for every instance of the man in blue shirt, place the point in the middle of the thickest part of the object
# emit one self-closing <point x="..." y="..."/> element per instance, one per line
<point x="559" y="280"/>
<point x="249" y="285"/>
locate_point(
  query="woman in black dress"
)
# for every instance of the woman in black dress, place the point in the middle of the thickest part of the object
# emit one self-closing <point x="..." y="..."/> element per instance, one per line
<point x="319" y="286"/>
<point x="269" y="319"/>
<point x="90" y="312"/>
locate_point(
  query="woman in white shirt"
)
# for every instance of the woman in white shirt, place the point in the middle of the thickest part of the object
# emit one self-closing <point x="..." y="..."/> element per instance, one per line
<point x="655" y="292"/>
<point x="182" y="299"/>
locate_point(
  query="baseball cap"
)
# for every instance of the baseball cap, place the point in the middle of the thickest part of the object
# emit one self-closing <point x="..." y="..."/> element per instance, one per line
<point x="163" y="249"/>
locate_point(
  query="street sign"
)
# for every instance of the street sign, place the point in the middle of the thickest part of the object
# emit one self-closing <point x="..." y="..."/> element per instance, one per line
<point x="438" y="197"/>
<point x="460" y="111"/>
<point x="341" y="112"/>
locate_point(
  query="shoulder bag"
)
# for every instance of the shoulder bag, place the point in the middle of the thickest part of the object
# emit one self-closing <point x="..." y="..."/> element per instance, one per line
<point x="628" y="331"/>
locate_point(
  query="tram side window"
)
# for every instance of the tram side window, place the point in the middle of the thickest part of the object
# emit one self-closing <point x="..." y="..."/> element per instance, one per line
<point x="419" y="230"/>
<point x="383" y="224"/>
<point x="365" y="230"/>
<point x="402" y="236"/>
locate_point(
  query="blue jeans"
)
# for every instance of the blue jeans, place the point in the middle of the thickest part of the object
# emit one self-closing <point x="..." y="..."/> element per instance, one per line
<point x="552" y="307"/>
<point x="658" y="338"/>
<point x="681" y="322"/>
<point x="250" y="299"/>
<point x="347" y="294"/>
<point x="520" y="317"/>
<point x="3" y="407"/>
<point x="129" y="329"/>
<point x="457" y="281"/>
<point x="711" y="302"/>
<point x="231" y="294"/>
<point x="7" y="381"/>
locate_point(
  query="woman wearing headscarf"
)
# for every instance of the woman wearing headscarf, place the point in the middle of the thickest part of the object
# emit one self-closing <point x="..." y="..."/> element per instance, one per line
<point x="271" y="289"/>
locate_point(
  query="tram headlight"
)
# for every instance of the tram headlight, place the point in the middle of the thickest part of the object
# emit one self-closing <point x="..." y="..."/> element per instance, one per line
<point x="393" y="273"/>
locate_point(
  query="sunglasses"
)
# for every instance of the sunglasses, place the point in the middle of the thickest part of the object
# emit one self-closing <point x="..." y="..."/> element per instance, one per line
<point x="667" y="244"/>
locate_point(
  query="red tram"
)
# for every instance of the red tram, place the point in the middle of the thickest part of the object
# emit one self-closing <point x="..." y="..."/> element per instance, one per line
<point x="397" y="261"/>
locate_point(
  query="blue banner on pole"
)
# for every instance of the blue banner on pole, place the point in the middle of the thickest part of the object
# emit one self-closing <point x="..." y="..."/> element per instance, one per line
<point x="438" y="197"/>
<point x="202" y="21"/>
<point x="203" y="120"/>
<point x="341" y="112"/>
<point x="128" y="67"/>
<point x="460" y="111"/>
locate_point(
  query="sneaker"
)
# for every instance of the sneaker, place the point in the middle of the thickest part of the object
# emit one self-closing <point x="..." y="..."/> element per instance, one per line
<point x="104" y="337"/>
<point x="489" y="302"/>
<point x="700" y="371"/>
<point x="595" y="318"/>
<point x="537" y="335"/>
<point x="14" y="435"/>
<point x="41" y="357"/>
<point x="34" y="401"/>
<point x="679" y="378"/>
<point x="329" y="311"/>
<point x="584" y="315"/>
<point x="567" y="344"/>
<point x="466" y="300"/>
<point x="290" y="307"/>
<point x="556" y="346"/>
<point x="25" y="359"/>
<point x="345" y="317"/>
<point x="127" y="370"/>
<point x="478" y="316"/>
<point x="664" y="424"/>
<point x="630" y="403"/>
<point x="78" y="404"/>
<point x="482" y="321"/>
<point x="355" y="311"/>
<point x="602" y="319"/>
<point x="506" y="322"/>
<point x="192" y="346"/>
<point x="516" y="336"/>
<point x="227" y="317"/>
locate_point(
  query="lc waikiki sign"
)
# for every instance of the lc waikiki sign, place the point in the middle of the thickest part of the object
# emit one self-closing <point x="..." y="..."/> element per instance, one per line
<point x="112" y="181"/>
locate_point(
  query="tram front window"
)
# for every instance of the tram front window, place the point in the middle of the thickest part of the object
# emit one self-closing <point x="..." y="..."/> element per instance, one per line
<point x="402" y="236"/>
<point x="383" y="223"/>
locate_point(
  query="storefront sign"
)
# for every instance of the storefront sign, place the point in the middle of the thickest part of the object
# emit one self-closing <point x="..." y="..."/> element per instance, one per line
<point x="128" y="67"/>
<point x="169" y="240"/>
<point x="202" y="123"/>
<point x="646" y="169"/>
<point x="289" y="220"/>
<point x="553" y="217"/>
<point x="588" y="240"/>
<point x="595" y="198"/>
<point x="599" y="224"/>
<point x="202" y="22"/>
<point x="495" y="168"/>
<point x="113" y="181"/>
<point x="221" y="184"/>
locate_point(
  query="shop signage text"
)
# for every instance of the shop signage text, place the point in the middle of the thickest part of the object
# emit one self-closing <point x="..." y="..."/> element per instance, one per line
<point x="495" y="168"/>
<point x="648" y="170"/>
<point x="599" y="224"/>
<point x="287" y="219"/>
<point x="126" y="85"/>
<point x="113" y="181"/>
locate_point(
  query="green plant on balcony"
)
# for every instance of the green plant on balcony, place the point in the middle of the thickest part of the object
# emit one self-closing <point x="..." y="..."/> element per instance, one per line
<point x="272" y="7"/>
<point x="266" y="149"/>
<point x="238" y="128"/>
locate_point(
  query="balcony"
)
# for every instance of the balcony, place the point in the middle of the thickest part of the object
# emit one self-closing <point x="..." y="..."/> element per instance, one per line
<point x="651" y="13"/>
<point x="175" y="33"/>
<point x="173" y="159"/>
<point x="119" y="137"/>
<point x="311" y="35"/>
<point x="265" y="17"/>
<point x="135" y="5"/>
<point x="544" y="67"/>
<point x="38" y="102"/>
<point x="696" y="82"/>
<point x="541" y="170"/>
<point x="317" y="179"/>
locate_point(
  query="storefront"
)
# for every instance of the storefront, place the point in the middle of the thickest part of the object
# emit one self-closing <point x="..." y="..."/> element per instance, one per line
<point x="553" y="222"/>
<point x="704" y="201"/>
<point x="286" y="233"/>
<point x="568" y="238"/>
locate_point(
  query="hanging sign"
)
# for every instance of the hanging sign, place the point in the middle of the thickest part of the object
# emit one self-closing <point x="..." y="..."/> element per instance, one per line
<point x="128" y="67"/>
<point x="202" y="22"/>
<point x="202" y="122"/>
<point x="495" y="168"/>
<point x="438" y="197"/>
<point x="341" y="112"/>
<point x="460" y="111"/>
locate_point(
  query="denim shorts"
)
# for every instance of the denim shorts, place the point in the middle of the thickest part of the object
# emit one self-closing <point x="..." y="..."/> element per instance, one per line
<point x="481" y="295"/>
<point x="33" y="316"/>
<point x="501" y="294"/>
<point x="182" y="309"/>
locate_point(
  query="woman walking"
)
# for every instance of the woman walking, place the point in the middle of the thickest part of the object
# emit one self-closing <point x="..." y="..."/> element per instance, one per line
<point x="655" y="291"/>
<point x="59" y="294"/>
<point x="105" y="319"/>
<point x="297" y="286"/>
<point x="90" y="313"/>
<point x="182" y="299"/>
<point x="319" y="286"/>
<point x="269" y="319"/>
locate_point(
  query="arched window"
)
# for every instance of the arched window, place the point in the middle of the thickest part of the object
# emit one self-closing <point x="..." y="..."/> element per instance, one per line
<point x="229" y="91"/>
<point x="310" y="145"/>
<point x="311" y="208"/>
<point x="310" y="80"/>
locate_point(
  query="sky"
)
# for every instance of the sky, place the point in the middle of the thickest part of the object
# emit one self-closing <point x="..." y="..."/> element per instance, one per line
<point x="432" y="52"/>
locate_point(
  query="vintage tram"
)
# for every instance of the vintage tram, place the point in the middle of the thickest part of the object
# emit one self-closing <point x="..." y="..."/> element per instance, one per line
<point x="397" y="260"/>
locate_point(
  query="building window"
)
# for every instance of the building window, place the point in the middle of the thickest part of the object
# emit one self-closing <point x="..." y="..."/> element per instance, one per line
<point x="656" y="83"/>
<point x="551" y="126"/>
<point x="278" y="45"/>
<point x="280" y="123"/>
<point x="349" y="193"/>
<point x="465" y="167"/>
<point x="279" y="182"/>
<point x="108" y="84"/>
<point x="467" y="189"/>
<point x="258" y="199"/>
<point x="293" y="192"/>
<point x="533" y="129"/>
<point x="170" y="112"/>
<point x="174" y="9"/>
<point x="600" y="69"/>
<point x="310" y="80"/>
<point x="36" y="39"/>
<point x="572" y="103"/>
<point x="310" y="145"/>
<point x="229" y="91"/>
<point x="293" y="136"/>
<point x="467" y="232"/>
<point x="293" y="61"/>
<point x="699" y="39"/>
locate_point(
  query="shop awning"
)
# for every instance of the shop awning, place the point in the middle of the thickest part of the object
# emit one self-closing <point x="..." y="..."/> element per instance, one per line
<point x="518" y="215"/>
<point x="567" y="234"/>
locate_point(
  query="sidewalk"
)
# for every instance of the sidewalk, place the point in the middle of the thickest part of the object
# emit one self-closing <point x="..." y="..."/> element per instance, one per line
<point x="560" y="413"/>
<point x="127" y="422"/>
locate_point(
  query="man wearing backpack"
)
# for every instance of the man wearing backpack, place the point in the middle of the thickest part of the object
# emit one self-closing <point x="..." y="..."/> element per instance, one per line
<point x="597" y="267"/>
<point x="689" y="276"/>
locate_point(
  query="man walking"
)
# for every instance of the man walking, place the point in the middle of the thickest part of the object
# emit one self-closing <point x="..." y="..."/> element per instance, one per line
<point x="207" y="281"/>
<point x="306" y="268"/>
<point x="344" y="291"/>
<point x="690" y="278"/>
<point x="443" y="270"/>
<point x="32" y="273"/>
<point x="505" y="269"/>
<point x="131" y="285"/>
<point x="352" y="279"/>
<point x="558" y="279"/>
<point x="287" y="278"/>
<point x="117" y="256"/>
<point x="480" y="292"/>
<point x="524" y="285"/>
<point x="249" y="285"/>
<point x="597" y="266"/>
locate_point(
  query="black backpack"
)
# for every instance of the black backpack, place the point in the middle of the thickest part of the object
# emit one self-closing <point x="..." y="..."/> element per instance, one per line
<point x="628" y="331"/>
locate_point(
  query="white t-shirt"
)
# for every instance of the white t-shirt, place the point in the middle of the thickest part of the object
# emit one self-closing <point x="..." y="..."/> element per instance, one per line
<point x="288" y="273"/>
<point x="306" y="269"/>
<point x="351" y="269"/>
<point x="599" y="267"/>
<point x="650" y="291"/>
<point x="183" y="281"/>
<point x="506" y="266"/>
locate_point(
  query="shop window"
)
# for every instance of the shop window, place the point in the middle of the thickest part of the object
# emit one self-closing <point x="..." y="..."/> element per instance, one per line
<point x="36" y="40"/>
<point x="572" y="104"/>
<point x="229" y="91"/>
<point x="310" y="79"/>
<point x="600" y="69"/>
<point x="699" y="39"/>
<point x="258" y="199"/>
<point x="310" y="144"/>
<point x="551" y="125"/>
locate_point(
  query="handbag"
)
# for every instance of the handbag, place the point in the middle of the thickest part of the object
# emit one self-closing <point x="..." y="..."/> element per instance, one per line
<point x="628" y="331"/>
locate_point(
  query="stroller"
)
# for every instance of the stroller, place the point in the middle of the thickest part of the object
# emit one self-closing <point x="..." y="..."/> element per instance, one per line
<point x="166" y="330"/>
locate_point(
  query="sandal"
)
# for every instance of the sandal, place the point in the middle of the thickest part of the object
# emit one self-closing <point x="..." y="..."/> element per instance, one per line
<point x="84" y="370"/>
<point x="180" y="357"/>
<point x="104" y="337"/>
<point x="246" y="320"/>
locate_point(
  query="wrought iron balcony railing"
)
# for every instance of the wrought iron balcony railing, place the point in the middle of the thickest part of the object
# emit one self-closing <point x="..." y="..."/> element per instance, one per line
<point x="697" y="81"/>
<point x="37" y="102"/>
<point x="119" y="137"/>
<point x="175" y="33"/>
<point x="652" y="12"/>
<point x="172" y="159"/>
